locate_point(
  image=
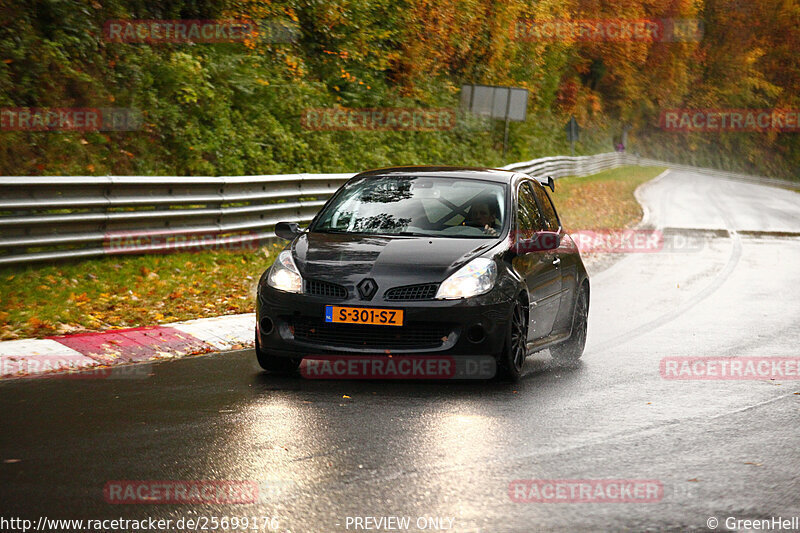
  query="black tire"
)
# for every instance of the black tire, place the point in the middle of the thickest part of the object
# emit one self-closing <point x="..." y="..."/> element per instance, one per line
<point x="515" y="351"/>
<point x="571" y="350"/>
<point x="272" y="363"/>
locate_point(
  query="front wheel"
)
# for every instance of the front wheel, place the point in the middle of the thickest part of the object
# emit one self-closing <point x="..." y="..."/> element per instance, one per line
<point x="272" y="363"/>
<point x="571" y="350"/>
<point x="515" y="350"/>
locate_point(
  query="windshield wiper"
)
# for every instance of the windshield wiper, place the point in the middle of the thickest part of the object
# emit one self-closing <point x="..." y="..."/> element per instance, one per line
<point x="399" y="233"/>
<point x="410" y="234"/>
<point x="326" y="230"/>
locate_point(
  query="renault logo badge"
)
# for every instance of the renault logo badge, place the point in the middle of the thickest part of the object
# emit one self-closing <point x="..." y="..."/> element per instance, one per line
<point x="367" y="288"/>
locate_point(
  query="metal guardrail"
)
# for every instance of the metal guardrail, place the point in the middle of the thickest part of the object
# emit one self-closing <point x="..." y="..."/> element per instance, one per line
<point x="562" y="166"/>
<point x="48" y="218"/>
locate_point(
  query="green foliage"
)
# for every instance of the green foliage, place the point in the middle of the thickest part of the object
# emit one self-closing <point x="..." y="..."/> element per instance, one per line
<point x="235" y="108"/>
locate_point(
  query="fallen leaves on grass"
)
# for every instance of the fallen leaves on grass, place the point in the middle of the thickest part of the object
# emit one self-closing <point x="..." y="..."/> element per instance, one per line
<point x="127" y="291"/>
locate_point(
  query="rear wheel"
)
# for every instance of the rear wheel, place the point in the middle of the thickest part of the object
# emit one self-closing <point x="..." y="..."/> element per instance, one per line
<point x="512" y="359"/>
<point x="571" y="350"/>
<point x="272" y="363"/>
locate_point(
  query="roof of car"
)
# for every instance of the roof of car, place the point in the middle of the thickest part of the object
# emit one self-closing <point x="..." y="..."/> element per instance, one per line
<point x="478" y="173"/>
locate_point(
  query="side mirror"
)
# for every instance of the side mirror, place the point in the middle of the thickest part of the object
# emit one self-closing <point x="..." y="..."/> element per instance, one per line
<point x="551" y="183"/>
<point x="287" y="230"/>
<point x="541" y="241"/>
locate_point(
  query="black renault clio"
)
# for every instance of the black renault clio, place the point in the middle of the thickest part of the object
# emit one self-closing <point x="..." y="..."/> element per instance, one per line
<point x="426" y="260"/>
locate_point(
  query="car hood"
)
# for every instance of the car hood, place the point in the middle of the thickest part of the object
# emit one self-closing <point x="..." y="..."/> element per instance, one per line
<point x="391" y="261"/>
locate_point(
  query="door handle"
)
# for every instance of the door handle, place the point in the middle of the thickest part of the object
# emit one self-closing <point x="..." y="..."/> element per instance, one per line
<point x="557" y="261"/>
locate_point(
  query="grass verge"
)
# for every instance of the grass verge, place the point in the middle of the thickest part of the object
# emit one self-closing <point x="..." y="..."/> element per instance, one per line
<point x="130" y="291"/>
<point x="127" y="291"/>
<point x="602" y="201"/>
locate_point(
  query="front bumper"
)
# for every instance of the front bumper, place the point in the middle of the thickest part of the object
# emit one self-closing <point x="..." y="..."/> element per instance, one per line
<point x="292" y="325"/>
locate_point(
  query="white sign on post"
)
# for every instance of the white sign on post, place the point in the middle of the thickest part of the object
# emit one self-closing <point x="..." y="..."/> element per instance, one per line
<point x="504" y="103"/>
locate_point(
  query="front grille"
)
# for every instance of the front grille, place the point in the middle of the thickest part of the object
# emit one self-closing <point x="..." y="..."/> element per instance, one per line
<point x="325" y="288"/>
<point x="410" y="336"/>
<point x="412" y="292"/>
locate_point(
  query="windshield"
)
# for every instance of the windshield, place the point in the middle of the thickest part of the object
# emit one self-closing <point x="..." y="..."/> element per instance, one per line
<point x="424" y="206"/>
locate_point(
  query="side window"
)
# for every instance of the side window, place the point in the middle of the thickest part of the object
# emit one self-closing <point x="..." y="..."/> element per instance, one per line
<point x="529" y="219"/>
<point x="547" y="208"/>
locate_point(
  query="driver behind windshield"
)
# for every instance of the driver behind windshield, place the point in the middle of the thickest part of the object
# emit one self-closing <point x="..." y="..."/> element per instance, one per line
<point x="483" y="214"/>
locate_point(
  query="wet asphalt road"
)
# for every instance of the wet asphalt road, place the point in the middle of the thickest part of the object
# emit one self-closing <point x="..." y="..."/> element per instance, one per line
<point x="720" y="448"/>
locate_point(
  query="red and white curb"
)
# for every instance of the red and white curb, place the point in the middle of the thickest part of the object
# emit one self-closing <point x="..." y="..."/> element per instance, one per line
<point x="70" y="353"/>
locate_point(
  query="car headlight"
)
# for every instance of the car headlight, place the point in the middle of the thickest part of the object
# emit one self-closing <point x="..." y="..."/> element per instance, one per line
<point x="284" y="275"/>
<point x="474" y="278"/>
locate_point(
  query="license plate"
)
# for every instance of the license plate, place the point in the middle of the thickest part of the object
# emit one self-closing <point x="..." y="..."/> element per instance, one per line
<point x="364" y="315"/>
